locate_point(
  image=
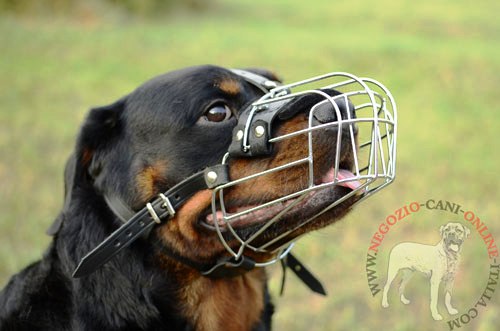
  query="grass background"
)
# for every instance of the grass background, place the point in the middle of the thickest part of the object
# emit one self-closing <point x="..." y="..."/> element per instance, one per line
<point x="440" y="59"/>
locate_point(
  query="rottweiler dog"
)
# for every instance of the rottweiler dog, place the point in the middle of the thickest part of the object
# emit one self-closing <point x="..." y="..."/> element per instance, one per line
<point x="146" y="142"/>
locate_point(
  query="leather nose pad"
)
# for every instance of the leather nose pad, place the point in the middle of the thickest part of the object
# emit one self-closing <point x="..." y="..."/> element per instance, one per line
<point x="325" y="111"/>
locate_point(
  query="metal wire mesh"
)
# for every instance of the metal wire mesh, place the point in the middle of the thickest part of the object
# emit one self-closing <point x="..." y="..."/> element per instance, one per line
<point x="374" y="126"/>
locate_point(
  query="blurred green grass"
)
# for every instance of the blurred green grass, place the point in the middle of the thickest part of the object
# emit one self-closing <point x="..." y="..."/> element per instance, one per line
<point x="441" y="60"/>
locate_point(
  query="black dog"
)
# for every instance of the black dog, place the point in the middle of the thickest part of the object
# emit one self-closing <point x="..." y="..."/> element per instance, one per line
<point x="168" y="129"/>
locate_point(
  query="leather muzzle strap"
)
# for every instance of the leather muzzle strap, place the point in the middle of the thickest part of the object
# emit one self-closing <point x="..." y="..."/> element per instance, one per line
<point x="164" y="207"/>
<point x="143" y="221"/>
<point x="155" y="212"/>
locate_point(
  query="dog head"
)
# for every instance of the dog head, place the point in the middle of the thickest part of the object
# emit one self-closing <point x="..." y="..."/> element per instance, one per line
<point x="182" y="122"/>
<point x="453" y="235"/>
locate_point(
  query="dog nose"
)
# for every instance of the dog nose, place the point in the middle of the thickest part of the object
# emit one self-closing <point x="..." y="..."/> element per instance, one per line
<point x="325" y="112"/>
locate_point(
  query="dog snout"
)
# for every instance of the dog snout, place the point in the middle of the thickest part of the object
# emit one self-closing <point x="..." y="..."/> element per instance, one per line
<point x="321" y="107"/>
<point x="327" y="112"/>
<point x="454" y="237"/>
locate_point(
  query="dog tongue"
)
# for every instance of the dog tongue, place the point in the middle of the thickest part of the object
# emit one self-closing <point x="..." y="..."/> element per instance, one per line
<point x="342" y="174"/>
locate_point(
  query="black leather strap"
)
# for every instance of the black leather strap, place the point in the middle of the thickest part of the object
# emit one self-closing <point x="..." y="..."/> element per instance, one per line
<point x="257" y="141"/>
<point x="157" y="211"/>
<point x="143" y="221"/>
<point x="302" y="272"/>
<point x="117" y="241"/>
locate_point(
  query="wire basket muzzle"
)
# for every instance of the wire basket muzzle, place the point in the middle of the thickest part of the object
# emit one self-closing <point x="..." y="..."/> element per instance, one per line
<point x="350" y="116"/>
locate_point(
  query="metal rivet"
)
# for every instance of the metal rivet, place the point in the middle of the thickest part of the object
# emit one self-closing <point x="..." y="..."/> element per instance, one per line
<point x="239" y="135"/>
<point x="211" y="177"/>
<point x="259" y="131"/>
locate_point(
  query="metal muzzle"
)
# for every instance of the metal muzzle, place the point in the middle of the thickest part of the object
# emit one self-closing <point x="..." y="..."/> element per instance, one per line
<point x="356" y="109"/>
<point x="340" y="107"/>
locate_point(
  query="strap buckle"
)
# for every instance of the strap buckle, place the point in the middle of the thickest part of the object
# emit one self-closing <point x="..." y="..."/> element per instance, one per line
<point x="153" y="213"/>
<point x="165" y="205"/>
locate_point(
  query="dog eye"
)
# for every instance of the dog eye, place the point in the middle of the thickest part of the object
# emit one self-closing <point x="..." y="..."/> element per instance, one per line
<point x="218" y="113"/>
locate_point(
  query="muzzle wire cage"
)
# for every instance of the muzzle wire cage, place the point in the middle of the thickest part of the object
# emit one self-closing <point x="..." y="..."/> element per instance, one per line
<point x="373" y="126"/>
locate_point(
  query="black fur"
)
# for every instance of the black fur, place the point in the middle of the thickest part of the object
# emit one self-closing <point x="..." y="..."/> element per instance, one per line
<point x="131" y="292"/>
<point x="133" y="149"/>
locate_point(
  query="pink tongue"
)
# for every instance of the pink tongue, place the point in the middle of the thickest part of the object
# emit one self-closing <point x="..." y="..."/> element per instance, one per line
<point x="342" y="174"/>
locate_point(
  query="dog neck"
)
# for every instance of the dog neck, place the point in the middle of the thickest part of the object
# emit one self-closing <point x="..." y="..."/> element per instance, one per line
<point x="235" y="303"/>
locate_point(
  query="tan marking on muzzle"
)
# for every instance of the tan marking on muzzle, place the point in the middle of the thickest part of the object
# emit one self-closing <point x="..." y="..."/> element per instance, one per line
<point x="182" y="231"/>
<point x="148" y="179"/>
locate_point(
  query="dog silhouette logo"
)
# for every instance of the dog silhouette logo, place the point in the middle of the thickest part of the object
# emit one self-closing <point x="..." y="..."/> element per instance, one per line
<point x="438" y="262"/>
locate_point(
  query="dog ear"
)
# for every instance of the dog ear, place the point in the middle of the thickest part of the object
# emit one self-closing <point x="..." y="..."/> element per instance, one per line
<point x="102" y="126"/>
<point x="100" y="129"/>
<point x="266" y="73"/>
<point x="466" y="231"/>
<point x="69" y="178"/>
<point x="441" y="230"/>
